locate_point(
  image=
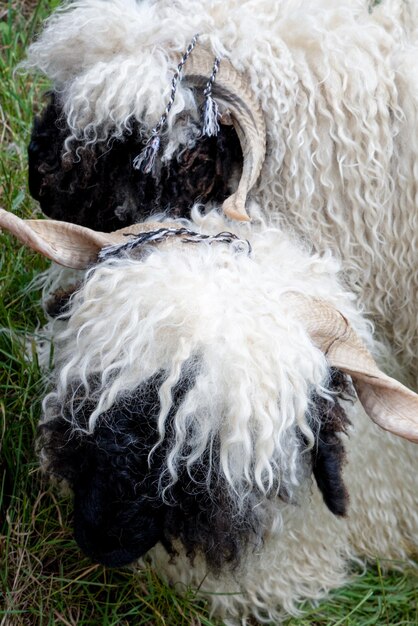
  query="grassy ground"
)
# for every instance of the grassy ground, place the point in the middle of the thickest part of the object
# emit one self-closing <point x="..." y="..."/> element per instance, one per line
<point x="44" y="579"/>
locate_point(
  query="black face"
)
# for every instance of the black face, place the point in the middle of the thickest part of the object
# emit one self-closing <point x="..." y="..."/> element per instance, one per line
<point x="118" y="511"/>
<point x="115" y="522"/>
<point x="103" y="191"/>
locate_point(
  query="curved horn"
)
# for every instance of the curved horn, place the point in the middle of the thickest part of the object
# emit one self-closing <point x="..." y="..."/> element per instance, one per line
<point x="390" y="404"/>
<point x="247" y="117"/>
<point x="67" y="244"/>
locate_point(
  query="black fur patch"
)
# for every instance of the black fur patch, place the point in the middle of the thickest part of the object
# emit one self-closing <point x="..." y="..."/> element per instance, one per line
<point x="118" y="513"/>
<point x="103" y="191"/>
<point x="328" y="455"/>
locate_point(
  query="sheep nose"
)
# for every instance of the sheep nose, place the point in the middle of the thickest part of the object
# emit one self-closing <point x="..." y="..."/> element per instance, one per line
<point x="113" y="532"/>
<point x="98" y="547"/>
<point x="101" y="544"/>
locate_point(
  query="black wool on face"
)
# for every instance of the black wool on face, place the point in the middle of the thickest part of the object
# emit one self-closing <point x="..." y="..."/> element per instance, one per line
<point x="97" y="186"/>
<point x="118" y="516"/>
<point x="119" y="513"/>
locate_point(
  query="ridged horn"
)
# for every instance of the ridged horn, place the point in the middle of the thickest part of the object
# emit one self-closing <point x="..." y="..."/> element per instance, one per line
<point x="388" y="403"/>
<point x="233" y="90"/>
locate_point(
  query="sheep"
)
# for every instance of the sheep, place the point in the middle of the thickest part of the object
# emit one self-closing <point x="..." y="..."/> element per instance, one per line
<point x="209" y="362"/>
<point x="201" y="410"/>
<point x="333" y="84"/>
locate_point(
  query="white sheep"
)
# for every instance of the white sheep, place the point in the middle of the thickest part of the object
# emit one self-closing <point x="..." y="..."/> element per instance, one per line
<point x="199" y="410"/>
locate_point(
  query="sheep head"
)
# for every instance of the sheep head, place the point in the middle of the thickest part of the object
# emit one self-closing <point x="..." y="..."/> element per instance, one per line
<point x="190" y="379"/>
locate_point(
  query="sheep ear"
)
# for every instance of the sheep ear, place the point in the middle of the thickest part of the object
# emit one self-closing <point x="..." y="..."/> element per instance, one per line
<point x="388" y="403"/>
<point x="67" y="244"/>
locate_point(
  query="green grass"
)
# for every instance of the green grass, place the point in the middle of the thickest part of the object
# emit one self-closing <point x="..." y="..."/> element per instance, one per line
<point x="44" y="579"/>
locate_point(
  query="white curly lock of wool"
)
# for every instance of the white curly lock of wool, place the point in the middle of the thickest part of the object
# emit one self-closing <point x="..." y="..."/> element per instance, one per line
<point x="337" y="82"/>
<point x="257" y="367"/>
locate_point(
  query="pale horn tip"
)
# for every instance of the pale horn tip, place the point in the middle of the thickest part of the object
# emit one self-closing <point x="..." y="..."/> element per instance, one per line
<point x="234" y="208"/>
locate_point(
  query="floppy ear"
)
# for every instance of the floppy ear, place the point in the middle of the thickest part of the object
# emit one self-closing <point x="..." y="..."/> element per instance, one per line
<point x="388" y="403"/>
<point x="67" y="244"/>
